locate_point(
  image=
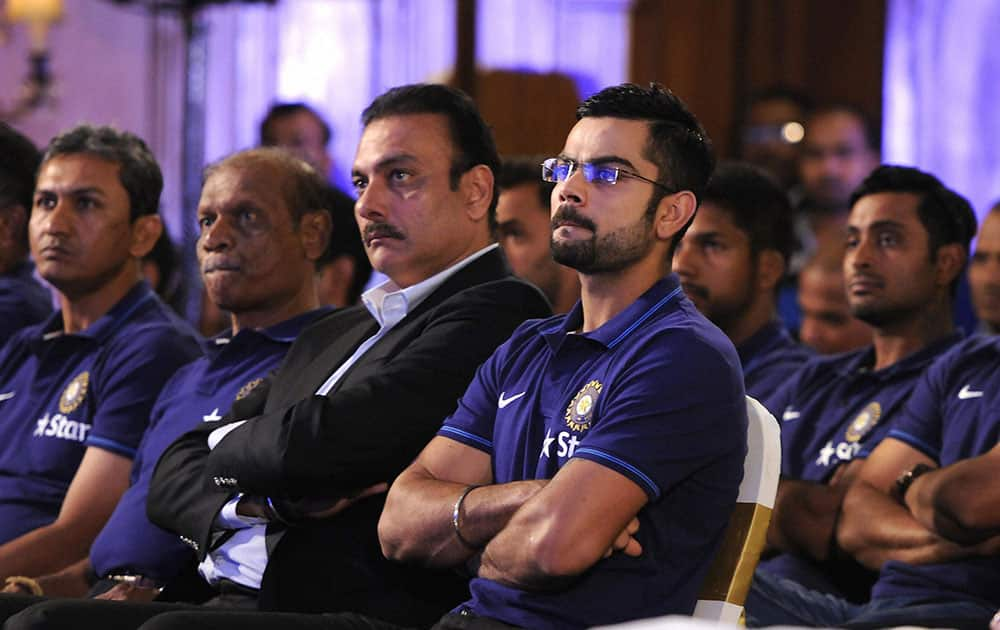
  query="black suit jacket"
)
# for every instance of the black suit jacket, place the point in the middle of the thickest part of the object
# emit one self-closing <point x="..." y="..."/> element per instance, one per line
<point x="370" y="426"/>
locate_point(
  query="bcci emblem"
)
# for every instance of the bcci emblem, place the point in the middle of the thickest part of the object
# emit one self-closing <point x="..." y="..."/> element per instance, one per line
<point x="581" y="409"/>
<point x="75" y="392"/>
<point x="862" y="424"/>
<point x="249" y="387"/>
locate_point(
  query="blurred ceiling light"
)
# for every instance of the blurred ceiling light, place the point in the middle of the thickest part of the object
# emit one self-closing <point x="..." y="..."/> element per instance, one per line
<point x="793" y="132"/>
<point x="38" y="15"/>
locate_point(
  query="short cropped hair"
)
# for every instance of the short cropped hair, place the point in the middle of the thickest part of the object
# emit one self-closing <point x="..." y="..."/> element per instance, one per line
<point x="519" y="170"/>
<point x="282" y="110"/>
<point x="947" y="216"/>
<point x="678" y="144"/>
<point x="471" y="136"/>
<point x="304" y="189"/>
<point x="138" y="170"/>
<point x="756" y="205"/>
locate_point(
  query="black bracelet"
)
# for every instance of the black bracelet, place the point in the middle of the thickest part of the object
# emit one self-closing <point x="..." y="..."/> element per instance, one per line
<point x="905" y="480"/>
<point x="456" y="514"/>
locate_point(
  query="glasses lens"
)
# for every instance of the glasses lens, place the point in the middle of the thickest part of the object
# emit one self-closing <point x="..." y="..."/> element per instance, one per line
<point x="602" y="174"/>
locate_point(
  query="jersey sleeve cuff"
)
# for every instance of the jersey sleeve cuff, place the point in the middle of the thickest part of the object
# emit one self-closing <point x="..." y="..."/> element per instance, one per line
<point x="621" y="466"/>
<point x="469" y="439"/>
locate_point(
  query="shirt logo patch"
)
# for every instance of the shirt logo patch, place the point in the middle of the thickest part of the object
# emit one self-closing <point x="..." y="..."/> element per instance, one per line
<point x="61" y="427"/>
<point x="580" y="411"/>
<point x="75" y="392"/>
<point x="503" y="402"/>
<point x="965" y="393"/>
<point x="249" y="387"/>
<point x="864" y="422"/>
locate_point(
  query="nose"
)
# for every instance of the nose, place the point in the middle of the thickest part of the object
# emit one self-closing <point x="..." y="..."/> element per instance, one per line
<point x="57" y="220"/>
<point x="370" y="204"/>
<point x="573" y="188"/>
<point x="218" y="236"/>
<point x="860" y="256"/>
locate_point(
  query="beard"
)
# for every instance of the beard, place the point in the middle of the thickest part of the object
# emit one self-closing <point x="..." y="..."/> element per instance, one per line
<point x="605" y="253"/>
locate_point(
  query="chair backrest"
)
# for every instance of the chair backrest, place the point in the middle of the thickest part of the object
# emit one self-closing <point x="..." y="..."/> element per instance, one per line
<point x="728" y="580"/>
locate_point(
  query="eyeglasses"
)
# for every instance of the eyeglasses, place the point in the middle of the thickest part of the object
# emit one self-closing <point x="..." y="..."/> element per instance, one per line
<point x="559" y="170"/>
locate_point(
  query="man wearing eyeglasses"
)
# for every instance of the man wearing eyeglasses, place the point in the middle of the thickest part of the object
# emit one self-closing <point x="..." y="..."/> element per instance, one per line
<point x="592" y="465"/>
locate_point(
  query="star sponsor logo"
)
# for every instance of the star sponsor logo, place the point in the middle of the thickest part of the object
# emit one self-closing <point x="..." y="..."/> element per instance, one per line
<point x="60" y="427"/>
<point x="565" y="441"/>
<point x="75" y="392"/>
<point x="967" y="392"/>
<point x="503" y="402"/>
<point x="580" y="412"/>
<point x="844" y="452"/>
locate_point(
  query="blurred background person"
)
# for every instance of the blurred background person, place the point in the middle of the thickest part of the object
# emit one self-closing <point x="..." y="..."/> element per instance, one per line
<point x="984" y="273"/>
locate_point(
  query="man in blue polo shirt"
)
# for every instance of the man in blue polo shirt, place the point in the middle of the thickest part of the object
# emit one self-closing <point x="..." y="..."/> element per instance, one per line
<point x="76" y="391"/>
<point x="907" y="243"/>
<point x="730" y="263"/>
<point x="23" y="301"/>
<point x="924" y="508"/>
<point x="263" y="227"/>
<point x="592" y="465"/>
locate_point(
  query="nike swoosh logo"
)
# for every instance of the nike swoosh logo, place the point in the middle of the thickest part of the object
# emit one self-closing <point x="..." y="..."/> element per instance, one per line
<point x="6" y="396"/>
<point x="503" y="402"/>
<point x="965" y="393"/>
<point x="790" y="414"/>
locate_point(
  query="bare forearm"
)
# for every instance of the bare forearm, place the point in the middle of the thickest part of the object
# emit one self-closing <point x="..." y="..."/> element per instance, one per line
<point x="417" y="522"/>
<point x="72" y="581"/>
<point x="874" y="528"/>
<point x="804" y="517"/>
<point x="959" y="502"/>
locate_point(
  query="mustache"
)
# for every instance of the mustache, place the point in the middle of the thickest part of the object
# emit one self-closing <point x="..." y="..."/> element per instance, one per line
<point x="381" y="230"/>
<point x="567" y="213"/>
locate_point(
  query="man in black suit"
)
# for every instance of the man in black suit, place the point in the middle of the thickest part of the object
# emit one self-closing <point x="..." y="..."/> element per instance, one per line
<point x="281" y="497"/>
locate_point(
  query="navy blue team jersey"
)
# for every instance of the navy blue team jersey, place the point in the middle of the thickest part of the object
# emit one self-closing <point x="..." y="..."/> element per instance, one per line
<point x="655" y="394"/>
<point x="954" y="414"/>
<point x="770" y="358"/>
<point x="201" y="391"/>
<point x="62" y="393"/>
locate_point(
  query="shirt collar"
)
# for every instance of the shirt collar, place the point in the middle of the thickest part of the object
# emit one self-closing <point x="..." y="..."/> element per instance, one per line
<point x="758" y="342"/>
<point x="389" y="304"/>
<point x="283" y="332"/>
<point x="656" y="299"/>
<point x="862" y="360"/>
<point x="109" y="323"/>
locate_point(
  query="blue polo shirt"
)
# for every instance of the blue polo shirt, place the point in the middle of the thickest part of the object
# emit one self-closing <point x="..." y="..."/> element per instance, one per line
<point x="62" y="393"/>
<point x="953" y="414"/>
<point x="655" y="394"/>
<point x="23" y="301"/>
<point x="770" y="358"/>
<point x="201" y="391"/>
<point x="837" y="409"/>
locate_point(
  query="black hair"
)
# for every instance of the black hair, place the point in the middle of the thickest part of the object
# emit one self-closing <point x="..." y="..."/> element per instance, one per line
<point x="518" y="170"/>
<point x="756" y="204"/>
<point x="470" y="135"/>
<point x="947" y="216"/>
<point x="869" y="126"/>
<point x="19" y="160"/>
<point x="678" y="144"/>
<point x="283" y="110"/>
<point x="138" y="170"/>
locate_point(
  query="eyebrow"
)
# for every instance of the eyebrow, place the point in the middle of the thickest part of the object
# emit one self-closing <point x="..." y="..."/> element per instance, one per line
<point x="601" y="159"/>
<point x="388" y="162"/>
<point x="83" y="190"/>
<point x="878" y="225"/>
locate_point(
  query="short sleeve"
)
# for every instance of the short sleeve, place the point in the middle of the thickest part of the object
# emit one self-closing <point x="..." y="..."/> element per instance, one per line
<point x="920" y="425"/>
<point x="130" y="374"/>
<point x="677" y="409"/>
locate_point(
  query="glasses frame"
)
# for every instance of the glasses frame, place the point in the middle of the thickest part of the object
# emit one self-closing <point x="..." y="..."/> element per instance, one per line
<point x="587" y="168"/>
